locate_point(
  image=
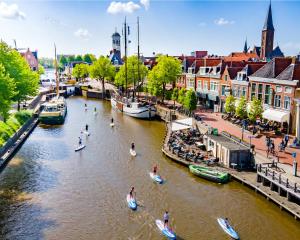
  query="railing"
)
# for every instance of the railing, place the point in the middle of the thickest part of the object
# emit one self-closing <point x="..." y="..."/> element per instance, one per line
<point x="277" y="177"/>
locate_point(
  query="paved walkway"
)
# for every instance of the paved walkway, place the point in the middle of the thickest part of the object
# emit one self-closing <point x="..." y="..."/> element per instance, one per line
<point x="215" y="120"/>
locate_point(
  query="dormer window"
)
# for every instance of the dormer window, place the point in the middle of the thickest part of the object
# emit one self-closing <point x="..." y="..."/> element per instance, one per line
<point x="190" y="70"/>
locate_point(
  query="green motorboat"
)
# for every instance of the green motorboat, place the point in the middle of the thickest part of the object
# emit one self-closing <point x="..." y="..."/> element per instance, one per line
<point x="209" y="174"/>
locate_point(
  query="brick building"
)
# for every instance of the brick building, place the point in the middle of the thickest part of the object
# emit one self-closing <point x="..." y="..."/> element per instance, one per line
<point x="31" y="58"/>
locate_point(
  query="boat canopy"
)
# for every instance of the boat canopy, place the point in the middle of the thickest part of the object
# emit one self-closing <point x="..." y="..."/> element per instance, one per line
<point x="182" y="124"/>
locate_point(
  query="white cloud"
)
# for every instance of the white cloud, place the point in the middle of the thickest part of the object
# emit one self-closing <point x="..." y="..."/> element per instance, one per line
<point x="223" y="21"/>
<point x="145" y="3"/>
<point x="82" y="33"/>
<point x="11" y="11"/>
<point x="122" y="7"/>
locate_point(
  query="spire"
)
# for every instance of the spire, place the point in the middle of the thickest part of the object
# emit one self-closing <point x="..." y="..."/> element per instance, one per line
<point x="269" y="21"/>
<point x="245" y="47"/>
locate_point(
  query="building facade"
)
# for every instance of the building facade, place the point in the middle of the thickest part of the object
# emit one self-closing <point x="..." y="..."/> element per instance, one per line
<point x="31" y="58"/>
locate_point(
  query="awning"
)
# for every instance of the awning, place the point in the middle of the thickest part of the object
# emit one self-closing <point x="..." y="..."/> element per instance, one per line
<point x="181" y="124"/>
<point x="276" y="115"/>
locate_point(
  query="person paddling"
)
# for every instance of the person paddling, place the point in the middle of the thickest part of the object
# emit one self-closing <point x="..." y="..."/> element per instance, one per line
<point x="155" y="169"/>
<point x="131" y="193"/>
<point x="95" y="110"/>
<point x="132" y="146"/>
<point x="112" y="120"/>
<point x="86" y="127"/>
<point x="226" y="222"/>
<point x="80" y="141"/>
<point x="166" y="219"/>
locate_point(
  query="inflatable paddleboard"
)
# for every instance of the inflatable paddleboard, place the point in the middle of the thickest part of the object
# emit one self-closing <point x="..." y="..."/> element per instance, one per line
<point x="156" y="178"/>
<point x="112" y="124"/>
<point x="132" y="153"/>
<point x="95" y="113"/>
<point x="165" y="230"/>
<point x="87" y="133"/>
<point x="79" y="148"/>
<point x="229" y="230"/>
<point x="131" y="202"/>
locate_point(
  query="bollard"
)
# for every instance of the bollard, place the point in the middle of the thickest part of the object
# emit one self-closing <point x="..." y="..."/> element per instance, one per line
<point x="279" y="178"/>
<point x="295" y="188"/>
<point x="287" y="183"/>
<point x="273" y="175"/>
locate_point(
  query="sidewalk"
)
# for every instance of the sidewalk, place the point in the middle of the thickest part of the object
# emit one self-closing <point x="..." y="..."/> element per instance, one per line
<point x="215" y="120"/>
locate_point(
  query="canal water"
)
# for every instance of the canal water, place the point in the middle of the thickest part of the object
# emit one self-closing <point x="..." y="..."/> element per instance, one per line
<point x="50" y="192"/>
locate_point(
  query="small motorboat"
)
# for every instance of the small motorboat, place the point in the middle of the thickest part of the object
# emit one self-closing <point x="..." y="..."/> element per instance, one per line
<point x="131" y="202"/>
<point x="228" y="229"/>
<point x="166" y="231"/>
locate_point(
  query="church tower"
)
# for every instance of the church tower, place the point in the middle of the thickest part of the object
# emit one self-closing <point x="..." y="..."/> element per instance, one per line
<point x="116" y="41"/>
<point x="267" y="38"/>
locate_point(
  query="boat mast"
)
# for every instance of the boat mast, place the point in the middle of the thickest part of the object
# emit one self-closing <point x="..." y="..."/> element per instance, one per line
<point x="56" y="73"/>
<point x="125" y="32"/>
<point x="138" y="39"/>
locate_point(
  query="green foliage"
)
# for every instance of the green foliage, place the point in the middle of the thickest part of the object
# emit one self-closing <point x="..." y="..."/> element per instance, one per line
<point x="153" y="84"/>
<point x="26" y="81"/>
<point x="190" y="100"/>
<point x="23" y="116"/>
<point x="89" y="58"/>
<point x="255" y="110"/>
<point x="181" y="95"/>
<point x="230" y="105"/>
<point x="47" y="62"/>
<point x="102" y="70"/>
<point x="41" y="70"/>
<point x="168" y="95"/>
<point x="166" y="71"/>
<point x="7" y="90"/>
<point x="80" y="71"/>
<point x="78" y="58"/>
<point x="175" y="95"/>
<point x="63" y="61"/>
<point x="71" y="59"/>
<point x="241" y="109"/>
<point x="132" y="72"/>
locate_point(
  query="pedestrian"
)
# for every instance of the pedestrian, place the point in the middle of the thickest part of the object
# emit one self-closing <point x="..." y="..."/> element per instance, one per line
<point x="272" y="146"/>
<point x="286" y="140"/>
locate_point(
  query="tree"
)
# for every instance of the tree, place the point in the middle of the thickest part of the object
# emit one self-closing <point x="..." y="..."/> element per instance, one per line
<point x="241" y="108"/>
<point x="190" y="101"/>
<point x="181" y="95"/>
<point x="7" y="90"/>
<point x="175" y="95"/>
<point x="255" y="110"/>
<point x="230" y="105"/>
<point x="63" y="61"/>
<point x="41" y="70"/>
<point x="46" y="62"/>
<point x="80" y="71"/>
<point x="135" y="70"/>
<point x="166" y="71"/>
<point x="102" y="70"/>
<point x="153" y="84"/>
<point x="71" y="59"/>
<point x="78" y="58"/>
<point x="26" y="81"/>
<point x="88" y="58"/>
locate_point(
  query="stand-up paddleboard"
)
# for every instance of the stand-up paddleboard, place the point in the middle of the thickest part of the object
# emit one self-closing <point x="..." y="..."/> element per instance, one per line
<point x="156" y="178"/>
<point x="95" y="113"/>
<point x="228" y="229"/>
<point x="112" y="124"/>
<point x="132" y="152"/>
<point x="79" y="148"/>
<point x="131" y="202"/>
<point x="165" y="230"/>
<point x="87" y="133"/>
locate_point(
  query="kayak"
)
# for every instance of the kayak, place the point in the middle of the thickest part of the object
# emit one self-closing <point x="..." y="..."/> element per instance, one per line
<point x="229" y="230"/>
<point x="131" y="202"/>
<point x="165" y="230"/>
<point x="112" y="124"/>
<point x="156" y="178"/>
<point x="79" y="148"/>
<point x="87" y="133"/>
<point x="132" y="153"/>
<point x="209" y="174"/>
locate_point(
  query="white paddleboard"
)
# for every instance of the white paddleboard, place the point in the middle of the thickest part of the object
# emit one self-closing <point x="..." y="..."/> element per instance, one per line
<point x="79" y="148"/>
<point x="131" y="202"/>
<point x="165" y="230"/>
<point x="112" y="124"/>
<point x="87" y="133"/>
<point x="229" y="230"/>
<point x="156" y="178"/>
<point x="132" y="152"/>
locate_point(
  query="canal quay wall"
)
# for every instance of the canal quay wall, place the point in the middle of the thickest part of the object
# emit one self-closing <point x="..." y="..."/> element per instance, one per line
<point x="267" y="182"/>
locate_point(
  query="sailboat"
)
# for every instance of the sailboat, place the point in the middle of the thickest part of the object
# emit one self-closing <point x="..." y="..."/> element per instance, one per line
<point x="131" y="106"/>
<point x="54" y="111"/>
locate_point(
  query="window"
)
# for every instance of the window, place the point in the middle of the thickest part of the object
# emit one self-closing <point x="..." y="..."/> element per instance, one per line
<point x="190" y="70"/>
<point x="244" y="89"/>
<point x="202" y="71"/>
<point x="287" y="102"/>
<point x="238" y="94"/>
<point x="253" y="90"/>
<point x="277" y="101"/>
<point x="267" y="94"/>
<point x="199" y="84"/>
<point x="190" y="83"/>
<point x="234" y="92"/>
<point x="288" y="90"/>
<point x="214" y="86"/>
<point x="205" y="85"/>
<point x="225" y="77"/>
<point x="223" y="89"/>
<point x="260" y="91"/>
<point x="278" y="89"/>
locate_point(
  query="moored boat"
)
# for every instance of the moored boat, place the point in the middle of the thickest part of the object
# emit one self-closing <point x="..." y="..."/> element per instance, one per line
<point x="54" y="111"/>
<point x="209" y="174"/>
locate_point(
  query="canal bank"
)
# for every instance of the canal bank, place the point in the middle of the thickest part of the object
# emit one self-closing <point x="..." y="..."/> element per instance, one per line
<point x="61" y="194"/>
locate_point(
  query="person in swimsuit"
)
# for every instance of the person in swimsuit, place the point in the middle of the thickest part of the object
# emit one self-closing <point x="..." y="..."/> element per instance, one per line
<point x="227" y="222"/>
<point x="131" y="193"/>
<point x="112" y="120"/>
<point x="80" y="141"/>
<point x="95" y="109"/>
<point x="155" y="169"/>
<point x="132" y="146"/>
<point x="86" y="127"/>
<point x="166" y="219"/>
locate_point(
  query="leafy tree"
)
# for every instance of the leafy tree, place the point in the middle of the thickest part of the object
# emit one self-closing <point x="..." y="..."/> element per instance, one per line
<point x="153" y="84"/>
<point x="71" y="59"/>
<point x="102" y="70"/>
<point x="78" y="58"/>
<point x="26" y="81"/>
<point x="190" y="101"/>
<point x="241" y="108"/>
<point x="87" y="58"/>
<point x="255" y="110"/>
<point x="7" y="90"/>
<point x="175" y="95"/>
<point x="80" y="71"/>
<point x="63" y="61"/>
<point x="132" y="72"/>
<point x="181" y="95"/>
<point x="41" y="70"/>
<point x="230" y="105"/>
<point x="166" y="71"/>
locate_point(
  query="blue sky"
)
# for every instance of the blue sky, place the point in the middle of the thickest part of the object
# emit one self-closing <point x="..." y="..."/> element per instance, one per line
<point x="173" y="27"/>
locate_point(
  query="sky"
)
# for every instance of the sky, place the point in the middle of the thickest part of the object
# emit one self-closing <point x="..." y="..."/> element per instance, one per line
<point x="173" y="27"/>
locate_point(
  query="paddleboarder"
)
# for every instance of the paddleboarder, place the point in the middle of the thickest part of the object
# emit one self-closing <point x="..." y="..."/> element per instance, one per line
<point x="86" y="127"/>
<point x="80" y="141"/>
<point x="85" y="106"/>
<point x="166" y="219"/>
<point x="112" y="120"/>
<point x="132" y="146"/>
<point x="226" y="222"/>
<point x="95" y="110"/>
<point x="155" y="169"/>
<point x="131" y="193"/>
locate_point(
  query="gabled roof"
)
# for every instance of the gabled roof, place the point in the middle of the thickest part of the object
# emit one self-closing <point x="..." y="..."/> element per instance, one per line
<point x="292" y="72"/>
<point x="233" y="71"/>
<point x="276" y="52"/>
<point x="269" y="21"/>
<point x="252" y="67"/>
<point x="241" y="56"/>
<point x="273" y="68"/>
